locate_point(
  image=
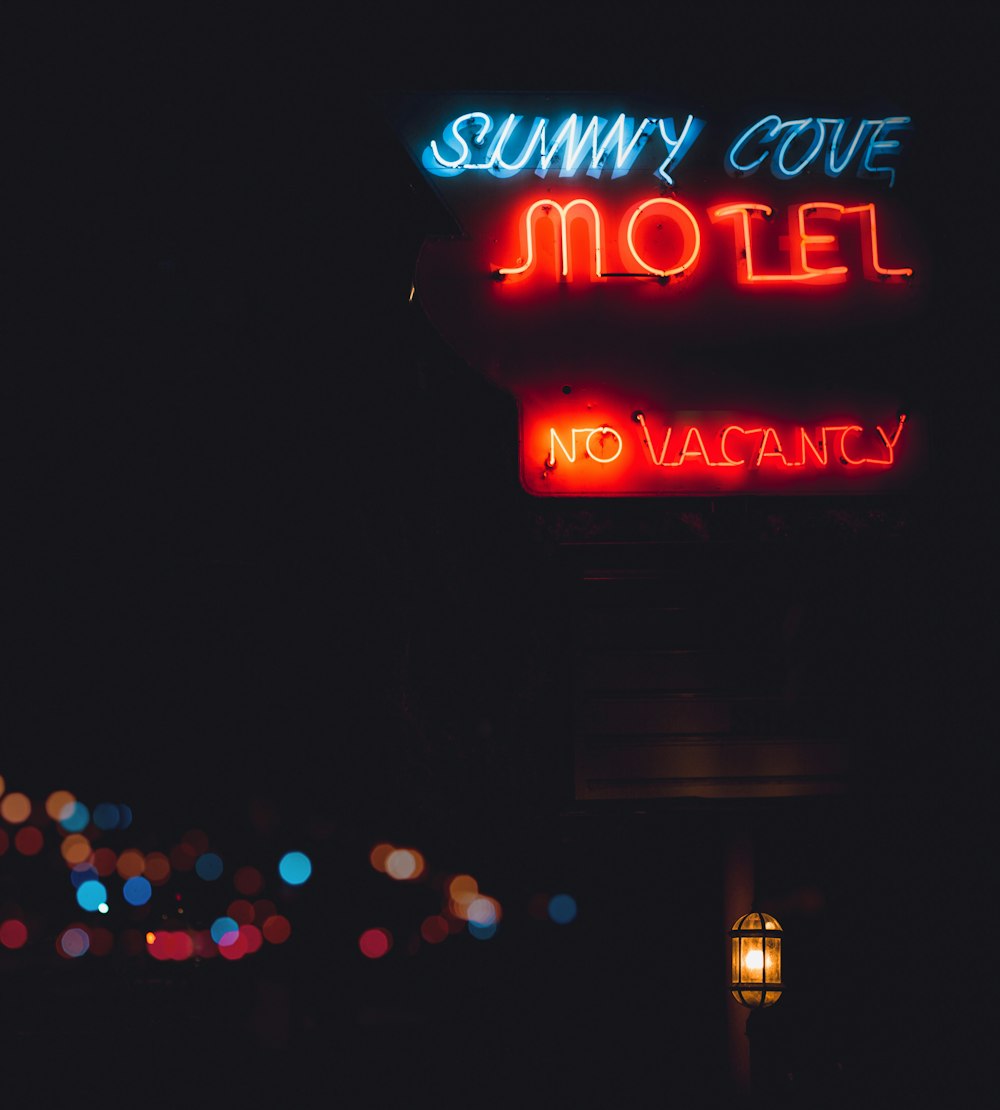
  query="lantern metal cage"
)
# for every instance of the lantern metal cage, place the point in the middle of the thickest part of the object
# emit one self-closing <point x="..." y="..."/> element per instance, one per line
<point x="756" y="960"/>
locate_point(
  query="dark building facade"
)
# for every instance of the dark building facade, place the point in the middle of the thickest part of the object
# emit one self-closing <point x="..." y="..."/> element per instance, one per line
<point x="277" y="577"/>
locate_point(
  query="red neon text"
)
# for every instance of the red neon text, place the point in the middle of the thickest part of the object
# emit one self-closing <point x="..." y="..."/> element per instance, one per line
<point x="735" y="445"/>
<point x="804" y="242"/>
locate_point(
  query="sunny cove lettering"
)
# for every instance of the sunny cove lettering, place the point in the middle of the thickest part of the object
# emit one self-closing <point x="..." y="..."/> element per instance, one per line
<point x="504" y="147"/>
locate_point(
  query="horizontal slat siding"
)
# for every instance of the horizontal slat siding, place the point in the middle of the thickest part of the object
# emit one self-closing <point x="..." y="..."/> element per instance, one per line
<point x="687" y="682"/>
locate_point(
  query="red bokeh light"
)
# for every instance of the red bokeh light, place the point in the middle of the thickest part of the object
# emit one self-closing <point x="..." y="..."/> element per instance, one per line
<point x="13" y="933"/>
<point x="237" y="950"/>
<point x="252" y="936"/>
<point x="248" y="880"/>
<point x="277" y="929"/>
<point x="29" y="841"/>
<point x="434" y="929"/>
<point x="241" y="911"/>
<point x="375" y="943"/>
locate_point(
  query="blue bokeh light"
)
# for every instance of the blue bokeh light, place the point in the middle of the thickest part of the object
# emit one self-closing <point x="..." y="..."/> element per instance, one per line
<point x="209" y="866"/>
<point x="124" y="817"/>
<point x="224" y="930"/>
<point x="106" y="816"/>
<point x="90" y="894"/>
<point x="482" y="932"/>
<point x="295" y="868"/>
<point x="75" y="819"/>
<point x="82" y="873"/>
<point x="562" y="908"/>
<point x="137" y="890"/>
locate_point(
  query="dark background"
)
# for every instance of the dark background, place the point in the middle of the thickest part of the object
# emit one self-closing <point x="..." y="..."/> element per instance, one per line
<point x="247" y="591"/>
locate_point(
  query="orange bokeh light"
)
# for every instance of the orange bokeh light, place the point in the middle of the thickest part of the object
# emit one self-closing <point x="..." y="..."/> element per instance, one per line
<point x="58" y="803"/>
<point x="75" y="849"/>
<point x="15" y="808"/>
<point x="157" y="868"/>
<point x="130" y="863"/>
<point x="379" y="855"/>
<point x="462" y="890"/>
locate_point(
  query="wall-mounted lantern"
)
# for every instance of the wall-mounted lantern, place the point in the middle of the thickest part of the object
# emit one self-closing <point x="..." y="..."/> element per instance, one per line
<point x="756" y="960"/>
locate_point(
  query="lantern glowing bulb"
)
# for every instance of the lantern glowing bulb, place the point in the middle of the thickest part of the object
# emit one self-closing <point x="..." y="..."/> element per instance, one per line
<point x="755" y="941"/>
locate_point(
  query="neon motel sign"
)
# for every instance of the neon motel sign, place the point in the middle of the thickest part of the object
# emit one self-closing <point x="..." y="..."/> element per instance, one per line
<point x="585" y="254"/>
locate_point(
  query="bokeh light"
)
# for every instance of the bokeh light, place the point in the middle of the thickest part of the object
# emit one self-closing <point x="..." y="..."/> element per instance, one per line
<point x="106" y="816"/>
<point x="483" y="911"/>
<point x="196" y="840"/>
<point x="15" y="808"/>
<point x="82" y="873"/>
<point x="59" y="803"/>
<point x="379" y="854"/>
<point x="209" y="866"/>
<point x="224" y="931"/>
<point x="562" y="908"/>
<point x="3" y="784"/>
<point x="156" y="868"/>
<point x="169" y="944"/>
<point x="241" y="911"/>
<point x="276" y="929"/>
<point x="29" y="840"/>
<point x="248" y="880"/>
<point x="75" y="818"/>
<point x="462" y="890"/>
<point x="91" y="894"/>
<point x="4" y="841"/>
<point x="130" y="863"/>
<point x="252" y="937"/>
<point x="434" y="929"/>
<point x="375" y="943"/>
<point x="404" y="863"/>
<point x="73" y="942"/>
<point x="105" y="861"/>
<point x="482" y="932"/>
<point x="75" y="849"/>
<point x="263" y="908"/>
<point x="181" y="944"/>
<point x="182" y="857"/>
<point x="203" y="947"/>
<point x="137" y="891"/>
<point x="13" y="933"/>
<point x="124" y="817"/>
<point x="101" y="941"/>
<point x="233" y="946"/>
<point x="295" y="868"/>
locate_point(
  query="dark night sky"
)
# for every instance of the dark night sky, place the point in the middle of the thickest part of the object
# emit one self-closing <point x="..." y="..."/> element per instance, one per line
<point x="223" y="587"/>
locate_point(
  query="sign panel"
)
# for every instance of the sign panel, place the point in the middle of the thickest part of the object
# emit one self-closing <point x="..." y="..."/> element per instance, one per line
<point x="681" y="301"/>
